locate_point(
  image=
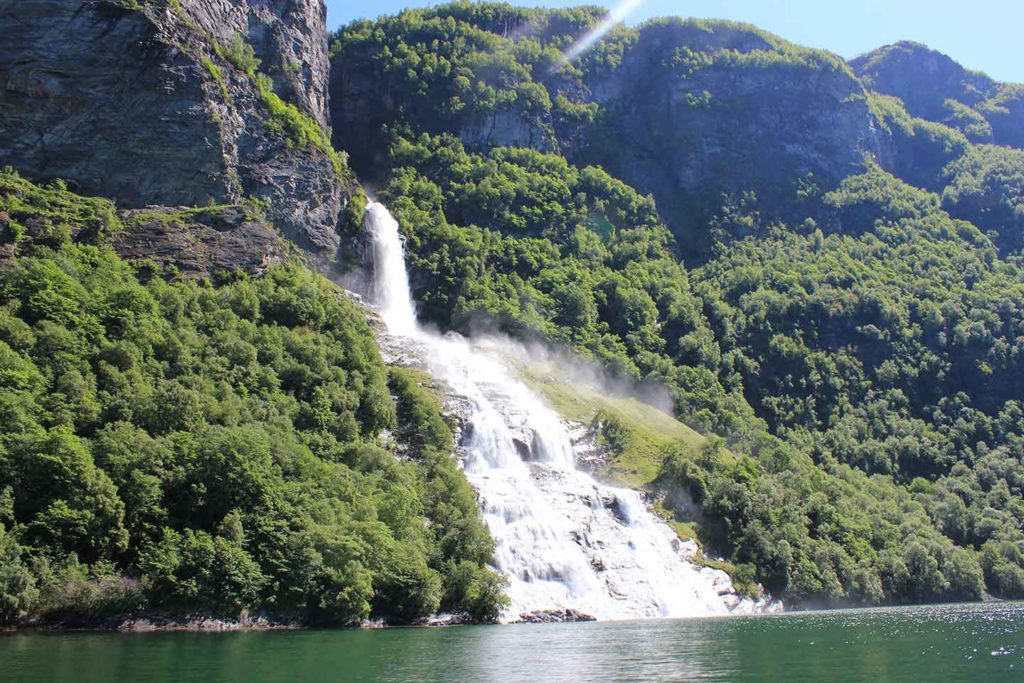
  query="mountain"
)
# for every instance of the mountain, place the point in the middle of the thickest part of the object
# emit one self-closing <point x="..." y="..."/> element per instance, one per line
<point x="934" y="87"/>
<point x="849" y="303"/>
<point x="687" y="111"/>
<point x="193" y="420"/>
<point x="819" y="263"/>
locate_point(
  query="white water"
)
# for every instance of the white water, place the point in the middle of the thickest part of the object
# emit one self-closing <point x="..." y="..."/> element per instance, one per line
<point x="563" y="540"/>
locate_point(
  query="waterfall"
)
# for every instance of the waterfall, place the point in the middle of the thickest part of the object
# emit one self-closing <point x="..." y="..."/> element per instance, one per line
<point x="389" y="287"/>
<point x="563" y="540"/>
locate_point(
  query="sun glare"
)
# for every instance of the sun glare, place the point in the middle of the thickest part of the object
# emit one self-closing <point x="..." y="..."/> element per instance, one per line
<point x="618" y="14"/>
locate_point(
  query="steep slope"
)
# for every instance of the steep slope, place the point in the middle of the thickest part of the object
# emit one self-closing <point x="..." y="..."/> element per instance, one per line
<point x="851" y="327"/>
<point x="686" y="116"/>
<point x="171" y="448"/>
<point x="688" y="111"/>
<point x="936" y="88"/>
<point x="194" y="423"/>
<point x="170" y="102"/>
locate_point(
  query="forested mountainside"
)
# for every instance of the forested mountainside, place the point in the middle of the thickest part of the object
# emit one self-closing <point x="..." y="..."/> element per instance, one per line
<point x="847" y="312"/>
<point x="934" y="87"/>
<point x="820" y="261"/>
<point x="194" y="423"/>
<point x="211" y="448"/>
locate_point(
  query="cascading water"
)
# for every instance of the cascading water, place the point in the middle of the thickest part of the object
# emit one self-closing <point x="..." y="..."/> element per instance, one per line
<point x="565" y="542"/>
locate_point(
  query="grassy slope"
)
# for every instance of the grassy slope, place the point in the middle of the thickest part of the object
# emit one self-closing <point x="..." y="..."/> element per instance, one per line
<point x="647" y="429"/>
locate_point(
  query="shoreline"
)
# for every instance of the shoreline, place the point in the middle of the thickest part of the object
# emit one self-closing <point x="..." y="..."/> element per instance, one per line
<point x="159" y="624"/>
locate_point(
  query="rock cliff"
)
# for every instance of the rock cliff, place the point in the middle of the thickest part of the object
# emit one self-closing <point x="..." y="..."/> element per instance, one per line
<point x="178" y="103"/>
<point x="698" y="110"/>
<point x="689" y="111"/>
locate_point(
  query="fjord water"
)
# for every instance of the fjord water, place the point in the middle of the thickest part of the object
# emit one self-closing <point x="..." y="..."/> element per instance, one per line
<point x="564" y="541"/>
<point x="982" y="643"/>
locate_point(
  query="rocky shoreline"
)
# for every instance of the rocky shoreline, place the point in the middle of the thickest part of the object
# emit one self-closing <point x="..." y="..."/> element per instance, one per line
<point x="157" y="624"/>
<point x="210" y="624"/>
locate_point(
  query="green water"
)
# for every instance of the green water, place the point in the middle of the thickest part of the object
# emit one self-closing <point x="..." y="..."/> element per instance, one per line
<point x="958" y="643"/>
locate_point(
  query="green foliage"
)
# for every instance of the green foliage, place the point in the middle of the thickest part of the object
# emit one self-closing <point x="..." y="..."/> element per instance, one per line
<point x="297" y="128"/>
<point x="241" y="54"/>
<point x="986" y="186"/>
<point x="463" y="546"/>
<point x="18" y="590"/>
<point x="421" y="424"/>
<point x="217" y="75"/>
<point x="856" y="339"/>
<point x="197" y="571"/>
<point x="182" y="447"/>
<point x="821" y="537"/>
<point x="50" y="214"/>
<point x="175" y="216"/>
<point x="867" y="201"/>
<point x="499" y="75"/>
<point x="969" y="121"/>
<point x="574" y="255"/>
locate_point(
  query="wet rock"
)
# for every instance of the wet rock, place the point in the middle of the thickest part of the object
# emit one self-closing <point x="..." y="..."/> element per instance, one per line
<point x="199" y="623"/>
<point x="591" y="456"/>
<point x="440" y="620"/>
<point x="616" y="507"/>
<point x="523" y="449"/>
<point x="555" y="616"/>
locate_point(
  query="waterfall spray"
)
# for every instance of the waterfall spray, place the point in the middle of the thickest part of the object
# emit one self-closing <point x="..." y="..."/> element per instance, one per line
<point x="563" y="540"/>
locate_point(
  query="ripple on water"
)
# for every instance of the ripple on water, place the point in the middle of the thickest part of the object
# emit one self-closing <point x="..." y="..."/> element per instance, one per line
<point x="949" y="643"/>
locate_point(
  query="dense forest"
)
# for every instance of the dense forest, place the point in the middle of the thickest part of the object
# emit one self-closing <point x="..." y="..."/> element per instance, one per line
<point x="180" y="447"/>
<point x="852" y="331"/>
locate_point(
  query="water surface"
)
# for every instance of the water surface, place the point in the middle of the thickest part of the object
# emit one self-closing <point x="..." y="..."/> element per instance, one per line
<point x="949" y="643"/>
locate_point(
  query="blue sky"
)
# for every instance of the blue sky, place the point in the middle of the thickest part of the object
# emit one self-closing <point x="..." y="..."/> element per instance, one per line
<point x="980" y="34"/>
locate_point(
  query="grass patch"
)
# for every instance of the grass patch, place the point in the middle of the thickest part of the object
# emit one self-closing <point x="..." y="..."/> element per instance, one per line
<point x="637" y="433"/>
<point x="217" y="76"/>
<point x="639" y="437"/>
<point x="297" y="129"/>
<point x="174" y="216"/>
<point x="686" y="531"/>
<point x="240" y="53"/>
<point x="52" y="212"/>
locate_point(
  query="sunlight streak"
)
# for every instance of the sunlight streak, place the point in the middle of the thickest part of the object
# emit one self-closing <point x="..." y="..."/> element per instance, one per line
<point x="617" y="15"/>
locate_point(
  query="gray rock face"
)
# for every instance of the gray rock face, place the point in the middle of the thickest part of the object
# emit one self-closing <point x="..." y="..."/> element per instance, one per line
<point x="132" y="101"/>
<point x="504" y="129"/>
<point x="695" y="112"/>
<point x="199" y="244"/>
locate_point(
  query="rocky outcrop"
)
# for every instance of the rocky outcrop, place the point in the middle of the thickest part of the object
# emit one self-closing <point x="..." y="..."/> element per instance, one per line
<point x="936" y="88"/>
<point x="158" y="102"/>
<point x="697" y="110"/>
<point x="923" y="78"/>
<point x="199" y="243"/>
<point x="555" y="616"/>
